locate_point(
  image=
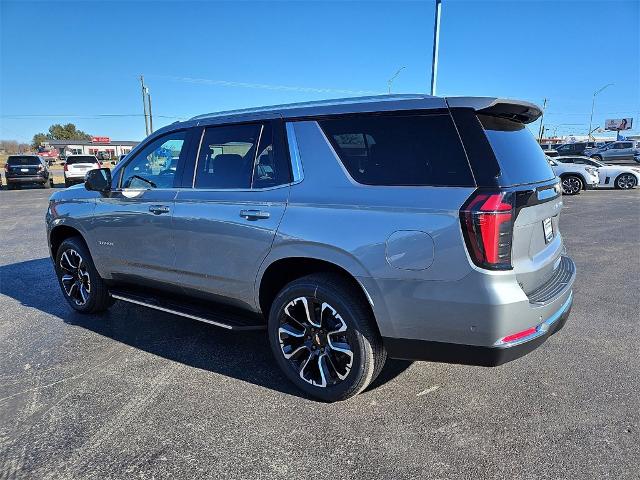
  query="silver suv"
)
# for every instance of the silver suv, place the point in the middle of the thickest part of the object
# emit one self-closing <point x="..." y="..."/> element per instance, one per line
<point x="353" y="230"/>
<point x="621" y="150"/>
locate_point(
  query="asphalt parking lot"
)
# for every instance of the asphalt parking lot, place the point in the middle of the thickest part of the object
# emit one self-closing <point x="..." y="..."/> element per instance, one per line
<point x="136" y="393"/>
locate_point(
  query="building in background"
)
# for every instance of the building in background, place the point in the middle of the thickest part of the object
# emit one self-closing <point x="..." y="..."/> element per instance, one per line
<point x="99" y="146"/>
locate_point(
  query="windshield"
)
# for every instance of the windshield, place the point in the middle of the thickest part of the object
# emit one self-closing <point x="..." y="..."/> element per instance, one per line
<point x="521" y="159"/>
<point x="81" y="159"/>
<point x="23" y="160"/>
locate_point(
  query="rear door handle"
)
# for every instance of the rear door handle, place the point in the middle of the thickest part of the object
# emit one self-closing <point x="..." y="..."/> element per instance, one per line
<point x="254" y="214"/>
<point x="158" y="209"/>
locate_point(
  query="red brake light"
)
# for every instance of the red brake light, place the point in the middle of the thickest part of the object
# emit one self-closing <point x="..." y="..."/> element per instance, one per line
<point x="487" y="225"/>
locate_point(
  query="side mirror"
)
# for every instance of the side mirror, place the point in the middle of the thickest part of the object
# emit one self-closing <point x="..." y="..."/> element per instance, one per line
<point x="98" y="180"/>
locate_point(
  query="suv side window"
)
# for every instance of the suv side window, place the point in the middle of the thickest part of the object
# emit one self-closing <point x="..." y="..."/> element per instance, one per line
<point x="227" y="156"/>
<point x="400" y="149"/>
<point x="156" y="164"/>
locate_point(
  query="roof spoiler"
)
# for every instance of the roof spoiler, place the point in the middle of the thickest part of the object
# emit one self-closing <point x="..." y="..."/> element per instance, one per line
<point x="517" y="110"/>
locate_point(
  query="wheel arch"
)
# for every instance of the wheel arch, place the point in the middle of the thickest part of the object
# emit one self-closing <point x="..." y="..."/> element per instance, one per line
<point x="59" y="234"/>
<point x="575" y="174"/>
<point x="282" y="270"/>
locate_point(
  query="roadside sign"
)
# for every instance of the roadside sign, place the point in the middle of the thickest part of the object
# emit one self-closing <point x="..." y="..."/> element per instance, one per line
<point x="619" y="124"/>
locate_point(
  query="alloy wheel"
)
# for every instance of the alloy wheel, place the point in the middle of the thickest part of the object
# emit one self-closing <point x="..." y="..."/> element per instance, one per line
<point x="626" y="181"/>
<point x="571" y="185"/>
<point x="314" y="340"/>
<point x="75" y="277"/>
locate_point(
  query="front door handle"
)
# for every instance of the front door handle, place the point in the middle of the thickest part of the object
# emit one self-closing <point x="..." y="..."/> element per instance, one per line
<point x="254" y="214"/>
<point x="158" y="209"/>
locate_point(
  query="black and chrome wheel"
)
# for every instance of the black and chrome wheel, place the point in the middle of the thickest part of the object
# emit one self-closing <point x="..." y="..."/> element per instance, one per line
<point x="321" y="332"/>
<point x="626" y="181"/>
<point x="82" y="286"/>
<point x="571" y="185"/>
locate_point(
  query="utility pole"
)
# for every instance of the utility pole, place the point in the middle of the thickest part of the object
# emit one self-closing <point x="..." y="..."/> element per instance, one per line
<point x="593" y="104"/>
<point x="541" y="131"/>
<point x="436" y="44"/>
<point x="144" y="105"/>
<point x="150" y="114"/>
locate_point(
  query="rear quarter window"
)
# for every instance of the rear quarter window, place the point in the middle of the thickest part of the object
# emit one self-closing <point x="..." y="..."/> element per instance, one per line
<point x="519" y="156"/>
<point x="417" y="150"/>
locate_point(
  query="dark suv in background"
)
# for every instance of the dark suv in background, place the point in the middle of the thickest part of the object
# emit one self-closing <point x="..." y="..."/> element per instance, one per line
<point x="402" y="226"/>
<point x="27" y="169"/>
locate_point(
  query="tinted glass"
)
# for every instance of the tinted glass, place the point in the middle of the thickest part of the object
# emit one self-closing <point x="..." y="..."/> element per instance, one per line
<point x="23" y="160"/>
<point x="271" y="166"/>
<point x="81" y="159"/>
<point x="400" y="149"/>
<point x="227" y="156"/>
<point x="155" y="165"/>
<point x="521" y="159"/>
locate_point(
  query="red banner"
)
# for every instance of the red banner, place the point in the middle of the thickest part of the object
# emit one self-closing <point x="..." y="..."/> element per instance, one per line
<point x="100" y="140"/>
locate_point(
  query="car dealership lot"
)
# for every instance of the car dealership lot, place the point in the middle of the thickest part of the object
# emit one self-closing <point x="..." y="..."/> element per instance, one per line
<point x="140" y="393"/>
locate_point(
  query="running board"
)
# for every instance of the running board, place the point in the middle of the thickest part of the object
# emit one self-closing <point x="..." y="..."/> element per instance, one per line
<point x="230" y="320"/>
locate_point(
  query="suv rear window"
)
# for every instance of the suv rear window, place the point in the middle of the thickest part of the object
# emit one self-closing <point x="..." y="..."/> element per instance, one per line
<point x="421" y="150"/>
<point x="521" y="159"/>
<point x="23" y="160"/>
<point x="81" y="159"/>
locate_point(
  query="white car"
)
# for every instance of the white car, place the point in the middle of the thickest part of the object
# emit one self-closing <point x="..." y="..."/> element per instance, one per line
<point x="76" y="166"/>
<point x="609" y="176"/>
<point x="574" y="177"/>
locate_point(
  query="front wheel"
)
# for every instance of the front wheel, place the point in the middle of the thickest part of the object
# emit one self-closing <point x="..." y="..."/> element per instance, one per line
<point x="81" y="284"/>
<point x="626" y="181"/>
<point x="571" y="185"/>
<point x="322" y="334"/>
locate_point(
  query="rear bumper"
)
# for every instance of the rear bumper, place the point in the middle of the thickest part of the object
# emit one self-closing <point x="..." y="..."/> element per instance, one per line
<point x="27" y="179"/>
<point x="410" y="349"/>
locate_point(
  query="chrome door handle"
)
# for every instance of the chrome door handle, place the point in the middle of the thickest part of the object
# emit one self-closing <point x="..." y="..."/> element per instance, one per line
<point x="158" y="209"/>
<point x="254" y="214"/>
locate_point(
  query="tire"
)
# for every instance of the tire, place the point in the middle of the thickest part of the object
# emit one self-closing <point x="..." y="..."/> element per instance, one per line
<point x="341" y="337"/>
<point x="84" y="290"/>
<point x="597" y="157"/>
<point x="571" y="185"/>
<point x="625" y="181"/>
<point x="67" y="183"/>
<point x="46" y="184"/>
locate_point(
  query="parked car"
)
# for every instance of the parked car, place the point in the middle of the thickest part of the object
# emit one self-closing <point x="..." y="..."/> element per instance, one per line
<point x="574" y="177"/>
<point x="27" y="169"/>
<point x="575" y="148"/>
<point x="549" y="150"/>
<point x="76" y="166"/>
<point x="609" y="176"/>
<point x="353" y="230"/>
<point x="614" y="151"/>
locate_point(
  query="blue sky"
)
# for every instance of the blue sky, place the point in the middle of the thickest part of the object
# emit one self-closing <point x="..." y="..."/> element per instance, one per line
<point x="78" y="61"/>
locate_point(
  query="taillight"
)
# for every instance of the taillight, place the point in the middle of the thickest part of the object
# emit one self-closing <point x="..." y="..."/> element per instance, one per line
<point x="66" y="167"/>
<point x="487" y="224"/>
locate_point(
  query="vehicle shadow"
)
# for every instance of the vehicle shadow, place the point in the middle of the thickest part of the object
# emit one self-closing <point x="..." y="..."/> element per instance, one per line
<point x="244" y="356"/>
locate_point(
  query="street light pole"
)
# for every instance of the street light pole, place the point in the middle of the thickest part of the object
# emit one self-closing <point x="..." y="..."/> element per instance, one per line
<point x="593" y="104"/>
<point x="436" y="45"/>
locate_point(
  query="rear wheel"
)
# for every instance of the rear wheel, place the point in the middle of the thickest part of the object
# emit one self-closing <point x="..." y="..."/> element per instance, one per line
<point x="626" y="181"/>
<point x="322" y="335"/>
<point x="81" y="284"/>
<point x="571" y="184"/>
<point x="597" y="157"/>
<point x="67" y="183"/>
